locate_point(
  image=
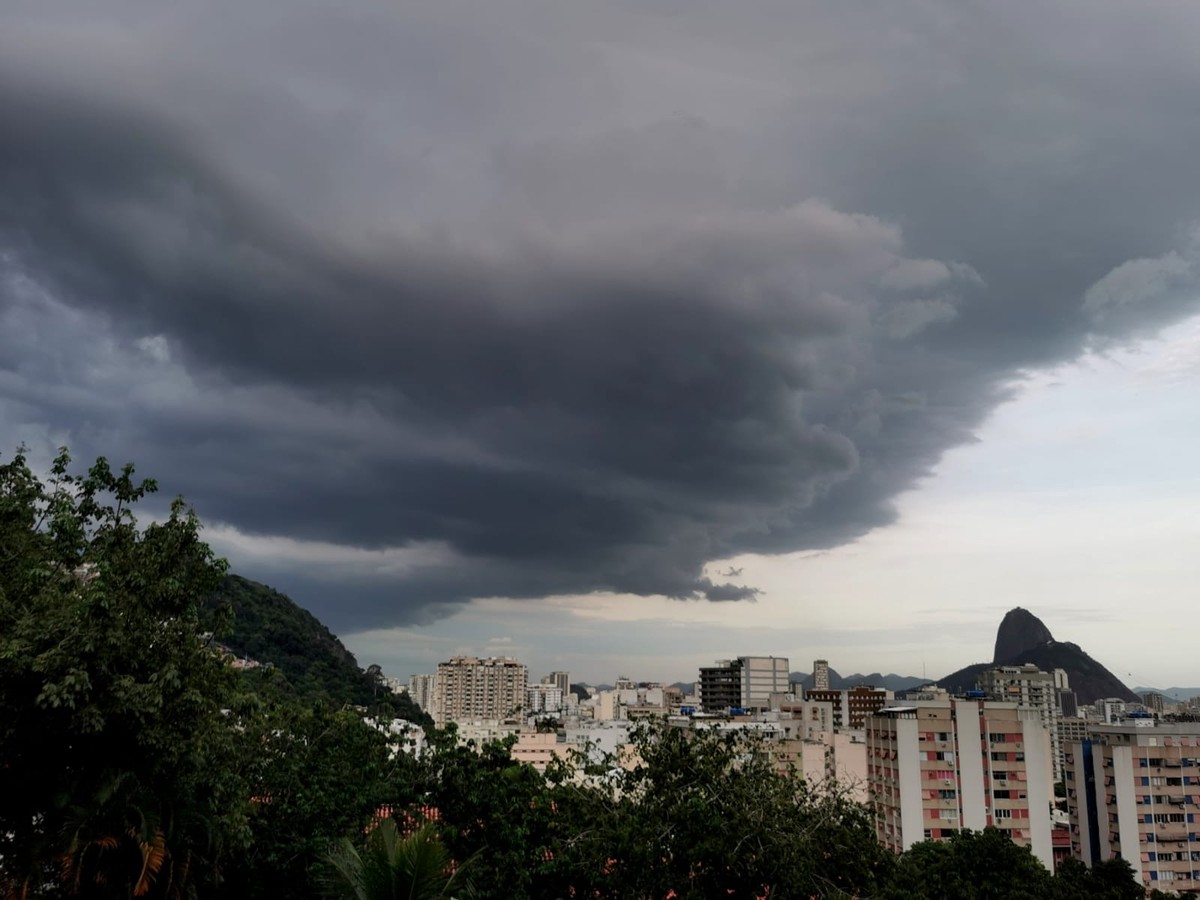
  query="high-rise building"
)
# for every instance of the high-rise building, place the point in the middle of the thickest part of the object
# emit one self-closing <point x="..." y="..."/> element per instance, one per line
<point x="1132" y="792"/>
<point x="421" y="689"/>
<point x="937" y="766"/>
<point x="1029" y="686"/>
<point x="543" y="698"/>
<point x="820" y="678"/>
<point x="473" y="688"/>
<point x="743" y="683"/>
<point x="561" y="680"/>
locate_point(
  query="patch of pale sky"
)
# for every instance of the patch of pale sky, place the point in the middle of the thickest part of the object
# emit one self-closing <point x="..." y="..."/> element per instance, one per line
<point x="279" y="550"/>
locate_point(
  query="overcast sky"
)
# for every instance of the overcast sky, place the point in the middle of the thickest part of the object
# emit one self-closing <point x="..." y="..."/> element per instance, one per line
<point x="624" y="336"/>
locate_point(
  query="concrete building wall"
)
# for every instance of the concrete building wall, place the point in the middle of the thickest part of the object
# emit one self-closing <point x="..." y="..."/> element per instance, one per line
<point x="1140" y="800"/>
<point x="970" y="732"/>
<point x="471" y="688"/>
<point x="762" y="676"/>
<point x="1039" y="782"/>
<point x="912" y="820"/>
<point x="849" y="763"/>
<point x="539" y="749"/>
<point x="937" y="766"/>
<point x="1127" y="810"/>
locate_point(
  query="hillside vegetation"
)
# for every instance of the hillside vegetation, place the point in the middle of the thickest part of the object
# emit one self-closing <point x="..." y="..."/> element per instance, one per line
<point x="308" y="660"/>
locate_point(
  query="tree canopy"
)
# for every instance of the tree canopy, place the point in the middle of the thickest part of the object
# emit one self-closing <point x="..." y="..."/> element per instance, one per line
<point x="114" y="757"/>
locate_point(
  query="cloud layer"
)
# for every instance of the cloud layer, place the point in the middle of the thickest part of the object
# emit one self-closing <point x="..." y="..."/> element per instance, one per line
<point x="513" y="299"/>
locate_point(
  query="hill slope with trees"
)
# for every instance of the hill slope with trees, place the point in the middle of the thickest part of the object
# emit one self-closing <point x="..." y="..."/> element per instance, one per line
<point x="267" y="626"/>
<point x="263" y="624"/>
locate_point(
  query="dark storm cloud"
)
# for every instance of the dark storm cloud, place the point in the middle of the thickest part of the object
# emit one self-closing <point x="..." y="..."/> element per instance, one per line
<point x="555" y="308"/>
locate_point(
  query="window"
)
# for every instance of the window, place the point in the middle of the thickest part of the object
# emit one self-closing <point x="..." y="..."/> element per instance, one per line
<point x="1002" y="814"/>
<point x="1168" y="817"/>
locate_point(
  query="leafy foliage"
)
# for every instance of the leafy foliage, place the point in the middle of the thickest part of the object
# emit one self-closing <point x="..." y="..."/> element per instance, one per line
<point x="416" y="867"/>
<point x="314" y="775"/>
<point x="114" y="756"/>
<point x="310" y="664"/>
<point x="686" y="815"/>
<point x="267" y="626"/>
<point x="987" y="865"/>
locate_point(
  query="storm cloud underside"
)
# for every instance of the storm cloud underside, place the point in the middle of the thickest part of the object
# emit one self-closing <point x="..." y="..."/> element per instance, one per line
<point x="512" y="299"/>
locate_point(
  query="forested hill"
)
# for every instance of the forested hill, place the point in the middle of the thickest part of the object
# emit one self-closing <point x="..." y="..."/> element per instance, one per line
<point x="269" y="627"/>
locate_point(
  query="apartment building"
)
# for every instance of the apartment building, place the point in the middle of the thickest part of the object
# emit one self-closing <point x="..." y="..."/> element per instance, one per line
<point x="1133" y="791"/>
<point x="937" y="766"/>
<point x="852" y="706"/>
<point x="561" y="680"/>
<point x="471" y="688"/>
<point x="743" y="683"/>
<point x="1029" y="686"/>
<point x="421" y="689"/>
<point x="820" y="675"/>
<point x="631" y="701"/>
<point x="542" y="699"/>
<point x="539" y="749"/>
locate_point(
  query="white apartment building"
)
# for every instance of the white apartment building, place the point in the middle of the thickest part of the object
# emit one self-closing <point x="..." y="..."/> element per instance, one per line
<point x="543" y="699"/>
<point x="937" y="766"/>
<point x="471" y="688"/>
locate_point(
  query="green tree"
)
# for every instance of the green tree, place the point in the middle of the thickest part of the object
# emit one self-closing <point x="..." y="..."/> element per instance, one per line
<point x="114" y="751"/>
<point x="684" y="814"/>
<point x="971" y="865"/>
<point x="704" y="814"/>
<point x="497" y="812"/>
<point x="392" y="866"/>
<point x="1112" y="879"/>
<point x="315" y="775"/>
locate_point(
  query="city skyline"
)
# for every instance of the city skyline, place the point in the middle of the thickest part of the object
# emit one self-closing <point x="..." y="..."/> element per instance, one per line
<point x="625" y="338"/>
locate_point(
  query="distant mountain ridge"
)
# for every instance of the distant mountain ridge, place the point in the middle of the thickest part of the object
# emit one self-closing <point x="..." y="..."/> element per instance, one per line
<point x="1023" y="638"/>
<point x="837" y="682"/>
<point x="1171" y="693"/>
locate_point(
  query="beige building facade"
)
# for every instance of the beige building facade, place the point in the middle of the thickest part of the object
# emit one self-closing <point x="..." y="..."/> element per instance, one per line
<point x="1028" y="685"/>
<point x="935" y="767"/>
<point x="472" y="688"/>
<point x="1133" y="791"/>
